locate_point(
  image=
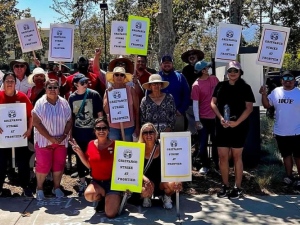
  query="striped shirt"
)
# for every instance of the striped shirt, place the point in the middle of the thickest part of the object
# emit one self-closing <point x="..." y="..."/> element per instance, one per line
<point x="54" y="118"/>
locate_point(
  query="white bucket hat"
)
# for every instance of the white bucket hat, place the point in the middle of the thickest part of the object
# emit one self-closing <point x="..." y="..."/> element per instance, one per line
<point x="155" y="78"/>
<point x="36" y="71"/>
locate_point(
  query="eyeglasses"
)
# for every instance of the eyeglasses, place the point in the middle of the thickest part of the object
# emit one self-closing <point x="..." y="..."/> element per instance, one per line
<point x="150" y="132"/>
<point x="52" y="87"/>
<point x="120" y="64"/>
<point x="288" y="78"/>
<point x="10" y="81"/>
<point x="233" y="71"/>
<point x="154" y="84"/>
<point x="19" y="66"/>
<point x="119" y="74"/>
<point x="101" y="128"/>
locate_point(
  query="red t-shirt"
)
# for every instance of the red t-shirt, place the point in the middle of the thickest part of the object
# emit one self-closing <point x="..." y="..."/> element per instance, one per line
<point x="94" y="84"/>
<point x="17" y="98"/>
<point x="101" y="161"/>
<point x="144" y="78"/>
<point x="52" y="75"/>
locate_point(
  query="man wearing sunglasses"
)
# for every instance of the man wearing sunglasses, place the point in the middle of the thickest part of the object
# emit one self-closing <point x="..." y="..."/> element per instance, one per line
<point x="286" y="100"/>
<point x="86" y="106"/>
<point x="21" y="69"/>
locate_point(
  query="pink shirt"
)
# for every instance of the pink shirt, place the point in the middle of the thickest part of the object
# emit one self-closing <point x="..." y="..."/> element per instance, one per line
<point x="202" y="91"/>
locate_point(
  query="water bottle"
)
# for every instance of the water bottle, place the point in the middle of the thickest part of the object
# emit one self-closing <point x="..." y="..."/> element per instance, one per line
<point x="226" y="113"/>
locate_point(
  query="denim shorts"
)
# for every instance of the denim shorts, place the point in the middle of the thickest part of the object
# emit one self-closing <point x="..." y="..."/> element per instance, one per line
<point x="105" y="184"/>
<point x="115" y="134"/>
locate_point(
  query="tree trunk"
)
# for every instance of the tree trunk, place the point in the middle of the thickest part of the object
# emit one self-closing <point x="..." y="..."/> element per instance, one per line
<point x="236" y="7"/>
<point x="165" y="29"/>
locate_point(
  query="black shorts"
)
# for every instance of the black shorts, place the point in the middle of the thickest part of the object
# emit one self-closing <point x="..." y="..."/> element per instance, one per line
<point x="105" y="184"/>
<point x="232" y="137"/>
<point x="288" y="145"/>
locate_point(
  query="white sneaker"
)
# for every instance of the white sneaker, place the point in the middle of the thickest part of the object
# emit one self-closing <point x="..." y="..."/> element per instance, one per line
<point x="167" y="202"/>
<point x="82" y="187"/>
<point x="40" y="195"/>
<point x="58" y="193"/>
<point x="147" y="203"/>
<point x="203" y="171"/>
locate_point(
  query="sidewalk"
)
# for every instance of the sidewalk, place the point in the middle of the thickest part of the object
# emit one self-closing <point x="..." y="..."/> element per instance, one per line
<point x="201" y="209"/>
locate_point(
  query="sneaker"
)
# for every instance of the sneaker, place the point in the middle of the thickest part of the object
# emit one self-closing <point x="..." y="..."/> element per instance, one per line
<point x="82" y="187"/>
<point x="147" y="203"/>
<point x="27" y="192"/>
<point x="203" y="171"/>
<point x="167" y="202"/>
<point x="297" y="183"/>
<point x="224" y="192"/>
<point x="40" y="195"/>
<point x="58" y="193"/>
<point x="100" y="206"/>
<point x="235" y="193"/>
<point x="288" y="180"/>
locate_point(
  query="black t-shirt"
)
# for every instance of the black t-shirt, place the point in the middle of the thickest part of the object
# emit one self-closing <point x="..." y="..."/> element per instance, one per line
<point x="83" y="123"/>
<point x="190" y="76"/>
<point x="235" y="96"/>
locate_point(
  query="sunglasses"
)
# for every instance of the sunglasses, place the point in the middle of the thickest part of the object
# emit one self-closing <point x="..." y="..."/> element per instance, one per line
<point x="121" y="64"/>
<point x="83" y="82"/>
<point x="19" y="66"/>
<point x="150" y="132"/>
<point x="233" y="71"/>
<point x="288" y="78"/>
<point x="101" y="128"/>
<point x="52" y="87"/>
<point x="119" y="74"/>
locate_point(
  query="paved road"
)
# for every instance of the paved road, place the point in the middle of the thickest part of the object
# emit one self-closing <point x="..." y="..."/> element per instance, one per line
<point x="201" y="209"/>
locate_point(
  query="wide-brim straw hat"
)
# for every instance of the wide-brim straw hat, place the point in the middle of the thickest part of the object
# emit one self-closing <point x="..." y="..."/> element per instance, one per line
<point x="22" y="61"/>
<point x="185" y="56"/>
<point x="129" y="64"/>
<point x="36" y="71"/>
<point x="155" y="78"/>
<point x="110" y="75"/>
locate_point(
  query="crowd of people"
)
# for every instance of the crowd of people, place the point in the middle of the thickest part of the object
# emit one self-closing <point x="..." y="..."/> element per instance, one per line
<point x="72" y="111"/>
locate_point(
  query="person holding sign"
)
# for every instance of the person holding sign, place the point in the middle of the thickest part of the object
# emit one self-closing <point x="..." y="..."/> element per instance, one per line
<point x="21" y="69"/>
<point x="158" y="108"/>
<point x="119" y="78"/>
<point x="86" y="106"/>
<point x="52" y="120"/>
<point x="152" y="184"/>
<point x="286" y="100"/>
<point x="9" y="96"/>
<point x="99" y="157"/>
<point x="232" y="102"/>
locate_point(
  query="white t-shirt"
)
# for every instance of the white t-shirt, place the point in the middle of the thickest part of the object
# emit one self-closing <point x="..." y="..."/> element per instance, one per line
<point x="287" y="106"/>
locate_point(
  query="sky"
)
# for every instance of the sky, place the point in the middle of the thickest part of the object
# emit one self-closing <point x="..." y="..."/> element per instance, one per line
<point x="40" y="10"/>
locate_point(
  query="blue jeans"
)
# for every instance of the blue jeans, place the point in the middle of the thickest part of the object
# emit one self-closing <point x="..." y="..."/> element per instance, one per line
<point x="115" y="134"/>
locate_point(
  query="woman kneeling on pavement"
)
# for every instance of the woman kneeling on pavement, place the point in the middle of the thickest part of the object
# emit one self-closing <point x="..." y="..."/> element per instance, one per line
<point x="152" y="184"/>
<point x="52" y="119"/>
<point x="231" y="133"/>
<point x="99" y="158"/>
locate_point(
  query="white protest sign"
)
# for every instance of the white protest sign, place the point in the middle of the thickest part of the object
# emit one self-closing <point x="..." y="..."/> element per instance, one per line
<point x="128" y="166"/>
<point x="272" y="46"/>
<point x="28" y="34"/>
<point x="118" y="38"/>
<point x="118" y="105"/>
<point x="228" y="43"/>
<point x="61" y="42"/>
<point x="13" y="122"/>
<point x="176" y="163"/>
<point x="1" y="77"/>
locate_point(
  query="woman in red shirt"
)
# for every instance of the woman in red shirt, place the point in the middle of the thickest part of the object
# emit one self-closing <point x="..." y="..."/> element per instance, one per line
<point x="99" y="158"/>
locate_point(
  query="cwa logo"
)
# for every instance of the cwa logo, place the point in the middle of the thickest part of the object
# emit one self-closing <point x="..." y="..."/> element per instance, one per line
<point x="59" y="32"/>
<point x="229" y="34"/>
<point x="127" y="154"/>
<point x="26" y="27"/>
<point x="120" y="28"/>
<point x="274" y="36"/>
<point x="12" y="114"/>
<point x="117" y="94"/>
<point x="173" y="143"/>
<point x="138" y="25"/>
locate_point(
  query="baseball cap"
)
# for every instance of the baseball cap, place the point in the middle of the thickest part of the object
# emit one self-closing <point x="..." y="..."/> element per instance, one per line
<point x="79" y="77"/>
<point x="288" y="73"/>
<point x="201" y="65"/>
<point x="166" y="58"/>
<point x="234" y="64"/>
